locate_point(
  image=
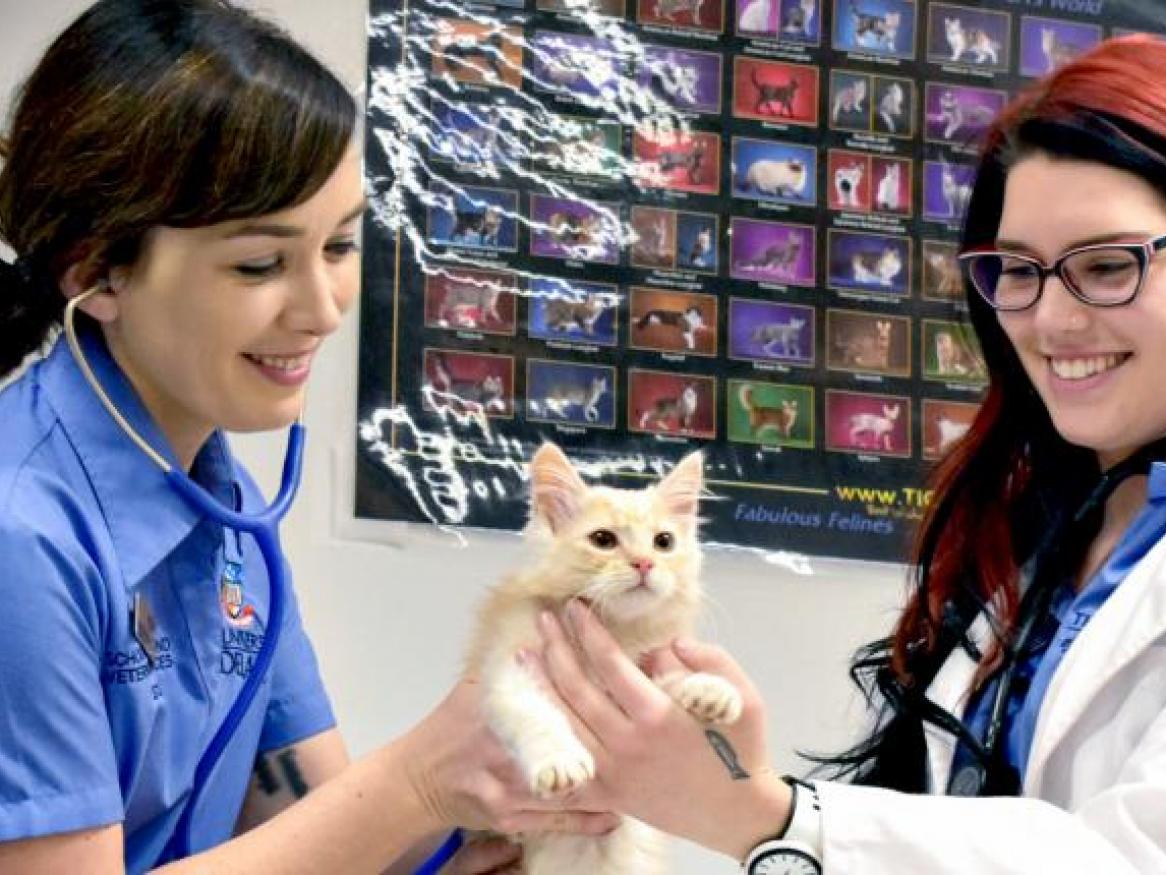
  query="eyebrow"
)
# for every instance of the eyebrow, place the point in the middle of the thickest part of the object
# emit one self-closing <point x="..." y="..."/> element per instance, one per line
<point x="1116" y="237"/>
<point x="275" y="229"/>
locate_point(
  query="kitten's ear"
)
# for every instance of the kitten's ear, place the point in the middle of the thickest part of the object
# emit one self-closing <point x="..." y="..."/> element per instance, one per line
<point x="556" y="489"/>
<point x="680" y="490"/>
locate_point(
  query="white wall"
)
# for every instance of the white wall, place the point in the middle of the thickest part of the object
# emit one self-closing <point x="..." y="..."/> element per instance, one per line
<point x="389" y="606"/>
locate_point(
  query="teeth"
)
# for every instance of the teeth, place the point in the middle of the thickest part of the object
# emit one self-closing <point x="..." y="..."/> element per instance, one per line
<point x="1080" y="369"/>
<point x="282" y="363"/>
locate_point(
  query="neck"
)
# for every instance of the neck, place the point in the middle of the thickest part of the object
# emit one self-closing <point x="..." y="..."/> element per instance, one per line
<point x="1124" y="504"/>
<point x="1120" y="509"/>
<point x="183" y="433"/>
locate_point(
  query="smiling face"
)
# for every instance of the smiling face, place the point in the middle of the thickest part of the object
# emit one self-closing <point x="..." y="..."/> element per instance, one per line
<point x="216" y="327"/>
<point x="1098" y="370"/>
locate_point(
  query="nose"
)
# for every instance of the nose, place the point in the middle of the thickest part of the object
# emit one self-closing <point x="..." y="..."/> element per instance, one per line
<point x="643" y="566"/>
<point x="320" y="299"/>
<point x="1058" y="309"/>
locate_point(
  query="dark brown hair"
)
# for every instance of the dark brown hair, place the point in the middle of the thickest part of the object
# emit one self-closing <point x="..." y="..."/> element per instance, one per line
<point x="145" y="113"/>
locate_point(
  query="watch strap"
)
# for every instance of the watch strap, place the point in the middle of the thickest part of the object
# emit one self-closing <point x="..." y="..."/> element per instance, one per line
<point x="802" y="831"/>
<point x="805" y="821"/>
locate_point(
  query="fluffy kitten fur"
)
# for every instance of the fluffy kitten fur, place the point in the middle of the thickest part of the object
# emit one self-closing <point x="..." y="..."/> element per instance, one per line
<point x="643" y="609"/>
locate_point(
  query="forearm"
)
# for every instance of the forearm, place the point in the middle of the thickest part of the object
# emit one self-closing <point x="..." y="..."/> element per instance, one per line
<point x="754" y="810"/>
<point x="358" y="822"/>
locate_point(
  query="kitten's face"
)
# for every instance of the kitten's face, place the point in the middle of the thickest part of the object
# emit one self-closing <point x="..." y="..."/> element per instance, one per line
<point x="630" y="553"/>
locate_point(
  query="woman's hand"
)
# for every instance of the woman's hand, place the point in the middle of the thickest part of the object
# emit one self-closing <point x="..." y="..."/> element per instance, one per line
<point x="465" y="778"/>
<point x="654" y="761"/>
<point x="486" y="856"/>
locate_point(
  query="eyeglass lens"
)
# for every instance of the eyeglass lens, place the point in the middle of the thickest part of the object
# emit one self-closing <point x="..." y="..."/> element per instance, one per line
<point x="1102" y="276"/>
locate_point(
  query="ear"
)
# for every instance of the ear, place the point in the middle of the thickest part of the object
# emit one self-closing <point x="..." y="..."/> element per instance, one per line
<point x="680" y="490"/>
<point x="556" y="489"/>
<point x="102" y="305"/>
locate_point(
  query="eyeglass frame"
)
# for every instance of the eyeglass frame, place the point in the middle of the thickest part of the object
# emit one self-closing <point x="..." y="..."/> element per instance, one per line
<point x="1145" y="251"/>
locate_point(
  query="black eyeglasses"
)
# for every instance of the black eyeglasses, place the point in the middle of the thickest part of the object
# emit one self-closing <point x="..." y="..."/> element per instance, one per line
<point x="1101" y="274"/>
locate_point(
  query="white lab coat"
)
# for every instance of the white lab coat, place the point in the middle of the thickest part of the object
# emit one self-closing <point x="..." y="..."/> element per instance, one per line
<point x="1094" y="797"/>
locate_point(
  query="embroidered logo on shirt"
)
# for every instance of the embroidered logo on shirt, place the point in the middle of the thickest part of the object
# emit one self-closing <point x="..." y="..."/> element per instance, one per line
<point x="235" y="611"/>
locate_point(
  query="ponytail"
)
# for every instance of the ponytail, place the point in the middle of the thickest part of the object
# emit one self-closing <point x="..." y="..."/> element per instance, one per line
<point x="29" y="308"/>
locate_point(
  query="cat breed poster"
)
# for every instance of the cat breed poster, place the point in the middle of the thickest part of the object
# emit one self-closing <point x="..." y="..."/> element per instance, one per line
<point x="639" y="228"/>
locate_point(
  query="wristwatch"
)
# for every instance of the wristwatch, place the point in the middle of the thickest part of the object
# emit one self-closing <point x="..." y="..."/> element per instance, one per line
<point x="797" y="849"/>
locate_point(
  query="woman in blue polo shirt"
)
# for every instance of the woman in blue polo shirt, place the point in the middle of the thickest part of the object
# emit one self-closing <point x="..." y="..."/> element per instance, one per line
<point x="194" y="170"/>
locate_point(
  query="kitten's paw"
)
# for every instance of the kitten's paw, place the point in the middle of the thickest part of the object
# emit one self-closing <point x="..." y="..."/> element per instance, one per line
<point x="561" y="772"/>
<point x="709" y="697"/>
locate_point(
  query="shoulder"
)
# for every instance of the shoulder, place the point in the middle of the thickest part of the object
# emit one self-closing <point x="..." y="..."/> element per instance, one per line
<point x="50" y="546"/>
<point x="44" y="486"/>
<point x="29" y="425"/>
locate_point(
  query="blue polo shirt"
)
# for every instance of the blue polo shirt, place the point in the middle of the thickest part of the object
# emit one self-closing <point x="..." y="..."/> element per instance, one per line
<point x="96" y="728"/>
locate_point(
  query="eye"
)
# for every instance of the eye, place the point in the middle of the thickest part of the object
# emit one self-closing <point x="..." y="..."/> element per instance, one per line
<point x="664" y="541"/>
<point x="260" y="269"/>
<point x="1019" y="271"/>
<point x="341" y="248"/>
<point x="604" y="539"/>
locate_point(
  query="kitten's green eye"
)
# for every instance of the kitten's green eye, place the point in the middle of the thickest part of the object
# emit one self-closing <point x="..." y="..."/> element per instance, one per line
<point x="604" y="539"/>
<point x="664" y="541"/>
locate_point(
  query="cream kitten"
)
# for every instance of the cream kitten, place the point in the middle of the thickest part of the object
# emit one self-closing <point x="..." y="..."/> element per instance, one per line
<point x="633" y="555"/>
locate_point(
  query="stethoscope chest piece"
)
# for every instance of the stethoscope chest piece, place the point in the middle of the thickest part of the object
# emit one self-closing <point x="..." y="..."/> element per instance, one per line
<point x="968" y="781"/>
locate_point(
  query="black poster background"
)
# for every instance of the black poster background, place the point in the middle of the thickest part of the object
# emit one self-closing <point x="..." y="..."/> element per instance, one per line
<point x="820" y="490"/>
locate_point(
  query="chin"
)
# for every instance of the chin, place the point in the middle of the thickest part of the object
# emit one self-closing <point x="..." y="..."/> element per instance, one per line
<point x="268" y="420"/>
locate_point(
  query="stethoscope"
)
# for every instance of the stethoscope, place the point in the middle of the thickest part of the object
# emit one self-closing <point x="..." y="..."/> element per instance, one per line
<point x="990" y="774"/>
<point x="264" y="528"/>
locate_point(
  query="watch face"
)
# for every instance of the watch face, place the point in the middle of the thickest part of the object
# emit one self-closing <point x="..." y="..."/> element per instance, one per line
<point x="786" y="861"/>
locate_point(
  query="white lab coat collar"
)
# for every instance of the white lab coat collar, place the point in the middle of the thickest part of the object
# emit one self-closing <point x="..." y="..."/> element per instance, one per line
<point x="1131" y="619"/>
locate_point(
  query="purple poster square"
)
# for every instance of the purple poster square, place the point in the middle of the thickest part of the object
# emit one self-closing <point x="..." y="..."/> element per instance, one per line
<point x="573" y="64"/>
<point x="771" y="252"/>
<point x="566" y="228"/>
<point x="771" y="331"/>
<point x="961" y="114"/>
<point x="878" y="263"/>
<point x="686" y="80"/>
<point x="1047" y="43"/>
<point x="947" y="188"/>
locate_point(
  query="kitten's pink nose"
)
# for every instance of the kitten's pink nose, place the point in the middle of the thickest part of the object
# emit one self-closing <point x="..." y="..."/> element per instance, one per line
<point x="642" y="565"/>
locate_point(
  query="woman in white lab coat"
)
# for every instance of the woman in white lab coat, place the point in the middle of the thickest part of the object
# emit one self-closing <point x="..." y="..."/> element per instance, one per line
<point x="1018" y="571"/>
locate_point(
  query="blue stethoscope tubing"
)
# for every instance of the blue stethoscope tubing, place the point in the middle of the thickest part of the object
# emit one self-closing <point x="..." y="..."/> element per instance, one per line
<point x="443" y="854"/>
<point x="264" y="528"/>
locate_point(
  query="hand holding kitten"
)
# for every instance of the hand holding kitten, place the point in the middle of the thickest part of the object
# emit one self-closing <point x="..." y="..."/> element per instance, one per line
<point x="464" y="777"/>
<point x="709" y="784"/>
